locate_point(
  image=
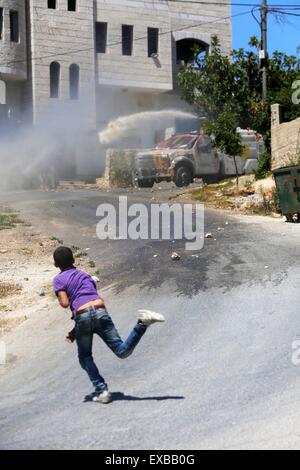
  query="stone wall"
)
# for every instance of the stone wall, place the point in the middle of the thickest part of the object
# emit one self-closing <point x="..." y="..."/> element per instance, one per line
<point x="65" y="37"/>
<point x="175" y="21"/>
<point x="285" y="141"/>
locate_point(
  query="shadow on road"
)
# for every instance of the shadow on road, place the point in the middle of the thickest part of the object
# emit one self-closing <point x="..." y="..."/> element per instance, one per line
<point x="119" y="396"/>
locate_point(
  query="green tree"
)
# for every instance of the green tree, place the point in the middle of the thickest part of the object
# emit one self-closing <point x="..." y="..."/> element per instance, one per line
<point x="227" y="91"/>
<point x="226" y="139"/>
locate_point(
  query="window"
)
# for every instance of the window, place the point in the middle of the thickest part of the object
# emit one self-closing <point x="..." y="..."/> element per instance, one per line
<point x="127" y="39"/>
<point x="52" y="4"/>
<point x="187" y="50"/>
<point x="204" y="144"/>
<point x="72" y="5"/>
<point x="179" y="142"/>
<point x="153" y="34"/>
<point x="1" y="23"/>
<point x="54" y="79"/>
<point x="74" y="81"/>
<point x="14" y="26"/>
<point x="101" y="37"/>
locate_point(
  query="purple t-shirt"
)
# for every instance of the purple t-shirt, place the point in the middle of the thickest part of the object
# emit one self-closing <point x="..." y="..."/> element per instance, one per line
<point x="79" y="286"/>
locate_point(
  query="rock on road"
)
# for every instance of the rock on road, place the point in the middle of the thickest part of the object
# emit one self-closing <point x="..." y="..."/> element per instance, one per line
<point x="217" y="375"/>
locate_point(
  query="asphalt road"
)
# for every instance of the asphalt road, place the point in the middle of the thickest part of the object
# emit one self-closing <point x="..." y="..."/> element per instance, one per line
<point x="218" y="374"/>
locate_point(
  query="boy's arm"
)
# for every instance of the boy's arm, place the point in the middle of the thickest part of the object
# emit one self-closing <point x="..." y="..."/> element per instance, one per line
<point x="64" y="302"/>
<point x="60" y="291"/>
<point x="63" y="299"/>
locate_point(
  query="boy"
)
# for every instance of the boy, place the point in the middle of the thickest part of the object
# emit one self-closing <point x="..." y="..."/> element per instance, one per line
<point x="77" y="290"/>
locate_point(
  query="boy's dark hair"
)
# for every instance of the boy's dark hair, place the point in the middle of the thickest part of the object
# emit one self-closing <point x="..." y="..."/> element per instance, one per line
<point x="63" y="258"/>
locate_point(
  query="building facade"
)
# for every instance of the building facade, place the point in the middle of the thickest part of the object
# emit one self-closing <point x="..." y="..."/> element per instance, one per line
<point x="83" y="63"/>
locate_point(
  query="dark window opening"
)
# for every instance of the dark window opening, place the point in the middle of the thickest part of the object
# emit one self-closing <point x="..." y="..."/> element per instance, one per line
<point x="101" y="37"/>
<point x="74" y="81"/>
<point x="14" y="26"/>
<point x="54" y="79"/>
<point x="71" y="5"/>
<point x="153" y="38"/>
<point x="1" y="23"/>
<point x="127" y="39"/>
<point x="52" y="4"/>
<point x="187" y="50"/>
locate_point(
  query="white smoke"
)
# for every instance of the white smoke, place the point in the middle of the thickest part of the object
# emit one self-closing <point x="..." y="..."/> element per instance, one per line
<point x="136" y="124"/>
<point x="60" y="142"/>
<point x="63" y="142"/>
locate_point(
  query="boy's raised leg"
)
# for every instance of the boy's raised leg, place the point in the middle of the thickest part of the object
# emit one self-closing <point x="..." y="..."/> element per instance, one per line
<point x="110" y="335"/>
<point x="123" y="349"/>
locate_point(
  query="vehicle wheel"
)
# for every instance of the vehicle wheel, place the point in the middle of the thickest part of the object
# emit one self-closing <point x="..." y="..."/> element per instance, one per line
<point x="145" y="184"/>
<point x="183" y="176"/>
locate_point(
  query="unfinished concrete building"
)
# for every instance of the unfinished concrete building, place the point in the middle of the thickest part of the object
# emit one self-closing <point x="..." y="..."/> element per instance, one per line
<point x="79" y="64"/>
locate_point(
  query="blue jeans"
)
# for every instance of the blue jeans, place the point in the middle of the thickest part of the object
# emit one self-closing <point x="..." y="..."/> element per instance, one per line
<point x="98" y="321"/>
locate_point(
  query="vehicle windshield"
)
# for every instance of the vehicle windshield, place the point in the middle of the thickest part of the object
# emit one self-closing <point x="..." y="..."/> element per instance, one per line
<point x="178" y="141"/>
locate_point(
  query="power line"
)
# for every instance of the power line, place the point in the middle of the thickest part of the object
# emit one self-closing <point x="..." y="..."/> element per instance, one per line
<point x="252" y="13"/>
<point x="75" y="51"/>
<point x="270" y="9"/>
<point x="215" y="3"/>
<point x="199" y="2"/>
<point x="285" y="13"/>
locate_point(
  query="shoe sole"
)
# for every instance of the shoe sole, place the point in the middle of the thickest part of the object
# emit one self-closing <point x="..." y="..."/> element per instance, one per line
<point x="148" y="322"/>
<point x="103" y="401"/>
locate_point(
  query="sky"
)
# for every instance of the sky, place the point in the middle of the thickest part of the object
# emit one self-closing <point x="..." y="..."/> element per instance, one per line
<point x="283" y="37"/>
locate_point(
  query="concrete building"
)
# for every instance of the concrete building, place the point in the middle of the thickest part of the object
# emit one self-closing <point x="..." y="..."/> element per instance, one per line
<point x="82" y="63"/>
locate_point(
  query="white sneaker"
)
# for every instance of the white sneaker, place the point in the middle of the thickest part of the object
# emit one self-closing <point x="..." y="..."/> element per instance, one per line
<point x="148" y="318"/>
<point x="104" y="397"/>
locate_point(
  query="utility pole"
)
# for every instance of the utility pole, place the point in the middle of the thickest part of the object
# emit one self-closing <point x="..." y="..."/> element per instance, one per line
<point x="263" y="52"/>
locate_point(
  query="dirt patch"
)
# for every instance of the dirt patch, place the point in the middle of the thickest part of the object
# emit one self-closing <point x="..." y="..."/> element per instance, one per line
<point x="27" y="270"/>
<point x="249" y="197"/>
<point x="7" y="289"/>
<point x="7" y="324"/>
<point x="216" y="195"/>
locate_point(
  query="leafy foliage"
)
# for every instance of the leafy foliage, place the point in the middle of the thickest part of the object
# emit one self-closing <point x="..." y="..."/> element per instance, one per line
<point x="223" y="127"/>
<point x="9" y="220"/>
<point x="121" y="167"/>
<point x="227" y="91"/>
<point x="263" y="166"/>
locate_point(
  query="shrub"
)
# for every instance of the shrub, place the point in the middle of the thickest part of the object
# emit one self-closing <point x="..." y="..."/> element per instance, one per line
<point x="121" y="167"/>
<point x="264" y="166"/>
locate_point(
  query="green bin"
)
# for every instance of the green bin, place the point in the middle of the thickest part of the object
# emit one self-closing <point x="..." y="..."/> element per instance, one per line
<point x="288" y="187"/>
